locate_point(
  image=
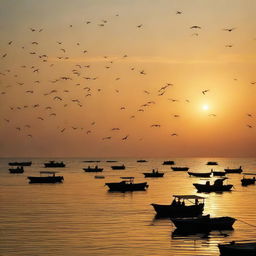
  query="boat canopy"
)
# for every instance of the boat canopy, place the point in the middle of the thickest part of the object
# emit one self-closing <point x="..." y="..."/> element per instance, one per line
<point x="188" y="197"/>
<point x="47" y="172"/>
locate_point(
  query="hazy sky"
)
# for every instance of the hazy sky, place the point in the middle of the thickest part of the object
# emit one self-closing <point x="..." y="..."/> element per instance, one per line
<point x="128" y="78"/>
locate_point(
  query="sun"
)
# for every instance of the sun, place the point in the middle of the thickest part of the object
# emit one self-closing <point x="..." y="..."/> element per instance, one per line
<point x="205" y="107"/>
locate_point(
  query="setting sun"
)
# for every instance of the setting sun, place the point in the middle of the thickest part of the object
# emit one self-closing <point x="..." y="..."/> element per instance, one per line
<point x="205" y="107"/>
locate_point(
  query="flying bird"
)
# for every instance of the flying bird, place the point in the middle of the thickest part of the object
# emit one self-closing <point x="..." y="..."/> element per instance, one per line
<point x="195" y="27"/>
<point x="229" y="29"/>
<point x="205" y="91"/>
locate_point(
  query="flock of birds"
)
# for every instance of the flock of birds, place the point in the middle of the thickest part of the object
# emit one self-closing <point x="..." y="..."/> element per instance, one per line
<point x="78" y="77"/>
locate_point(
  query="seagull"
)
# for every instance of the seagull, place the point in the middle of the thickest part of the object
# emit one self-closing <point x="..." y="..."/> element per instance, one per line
<point x="205" y="91"/>
<point x="195" y="27"/>
<point x="178" y="12"/>
<point x="249" y="126"/>
<point x="155" y="125"/>
<point x="125" y="138"/>
<point x="174" y="134"/>
<point x="106" y="138"/>
<point x="139" y="26"/>
<point x="229" y="45"/>
<point x="229" y="29"/>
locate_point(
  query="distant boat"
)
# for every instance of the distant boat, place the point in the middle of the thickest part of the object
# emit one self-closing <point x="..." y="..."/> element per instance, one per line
<point x="53" y="164"/>
<point x="168" y="162"/>
<point x="177" y="169"/>
<point x="182" y="206"/>
<point x="211" y="163"/>
<point x="50" y="178"/>
<point x="200" y="174"/>
<point x="218" y="186"/>
<point x="111" y="161"/>
<point x="238" y="248"/>
<point x="20" y="163"/>
<point x="18" y="169"/>
<point x="91" y="161"/>
<point x="237" y="170"/>
<point x="153" y="174"/>
<point x="203" y="223"/>
<point x="141" y="161"/>
<point x="127" y="184"/>
<point x="99" y="177"/>
<point x="248" y="181"/>
<point x="93" y="169"/>
<point x="118" y="167"/>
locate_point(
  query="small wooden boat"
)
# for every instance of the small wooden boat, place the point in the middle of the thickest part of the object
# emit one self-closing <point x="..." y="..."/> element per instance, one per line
<point x="118" y="167"/>
<point x="127" y="184"/>
<point x="211" y="163"/>
<point x="218" y="186"/>
<point x="237" y="170"/>
<point x="177" y="169"/>
<point x="168" y="162"/>
<point x="20" y="163"/>
<point x="182" y="206"/>
<point x="238" y="248"/>
<point x="50" y="178"/>
<point x="203" y="223"/>
<point x="141" y="161"/>
<point x="200" y="174"/>
<point x="93" y="169"/>
<point x="18" y="169"/>
<point x="53" y="164"/>
<point x="153" y="174"/>
<point x="248" y="181"/>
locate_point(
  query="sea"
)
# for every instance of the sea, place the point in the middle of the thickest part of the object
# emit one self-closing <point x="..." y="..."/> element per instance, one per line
<point x="80" y="217"/>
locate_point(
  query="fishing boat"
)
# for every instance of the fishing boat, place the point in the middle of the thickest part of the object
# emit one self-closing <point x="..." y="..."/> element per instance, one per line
<point x="127" y="184"/>
<point x="111" y="161"/>
<point x="141" y="161"/>
<point x="200" y="174"/>
<point x="248" y="181"/>
<point x="53" y="164"/>
<point x="168" y="162"/>
<point x="238" y="248"/>
<point x="20" y="163"/>
<point x="177" y="169"/>
<point x="237" y="170"/>
<point x="46" y="177"/>
<point x="93" y="169"/>
<point x="118" y="167"/>
<point x="181" y="206"/>
<point x="217" y="186"/>
<point x="204" y="223"/>
<point x="91" y="161"/>
<point x="211" y="163"/>
<point x="18" y="169"/>
<point x="153" y="174"/>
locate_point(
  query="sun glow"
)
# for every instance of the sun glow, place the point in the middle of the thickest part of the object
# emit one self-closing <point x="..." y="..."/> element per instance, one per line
<point x="205" y="107"/>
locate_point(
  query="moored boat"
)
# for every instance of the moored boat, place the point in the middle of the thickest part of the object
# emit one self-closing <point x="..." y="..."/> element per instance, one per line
<point x="248" y="181"/>
<point x="203" y="223"/>
<point x="118" y="167"/>
<point x="169" y="162"/>
<point x="127" y="184"/>
<point x="18" y="169"/>
<point x="53" y="164"/>
<point x="236" y="170"/>
<point x="200" y="174"/>
<point x="211" y="163"/>
<point x="20" y="163"/>
<point x="181" y="206"/>
<point x="141" y="161"/>
<point x="218" y="173"/>
<point x="238" y="248"/>
<point x="93" y="169"/>
<point x="50" y="178"/>
<point x="91" y="161"/>
<point x="153" y="174"/>
<point x="180" y="168"/>
<point x="217" y="186"/>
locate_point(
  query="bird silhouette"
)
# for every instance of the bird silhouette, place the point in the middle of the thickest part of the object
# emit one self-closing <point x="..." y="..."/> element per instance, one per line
<point x="229" y="29"/>
<point x="195" y="27"/>
<point x="205" y="91"/>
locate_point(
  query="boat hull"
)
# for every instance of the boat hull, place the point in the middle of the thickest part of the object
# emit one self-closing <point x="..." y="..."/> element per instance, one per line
<point x="178" y="211"/>
<point x="122" y="186"/>
<point x="55" y="179"/>
<point x="237" y="249"/>
<point x="205" y="174"/>
<point x="247" y="181"/>
<point x="118" y="167"/>
<point x="13" y="171"/>
<point x="55" y="165"/>
<point x="20" y="163"/>
<point x="177" y="169"/>
<point x="216" y="173"/>
<point x="212" y="188"/>
<point x="93" y="170"/>
<point x="204" y="223"/>
<point x="153" y="175"/>
<point x="233" y="170"/>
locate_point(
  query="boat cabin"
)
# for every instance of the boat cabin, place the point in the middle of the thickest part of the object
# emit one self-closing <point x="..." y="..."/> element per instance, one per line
<point x="184" y="200"/>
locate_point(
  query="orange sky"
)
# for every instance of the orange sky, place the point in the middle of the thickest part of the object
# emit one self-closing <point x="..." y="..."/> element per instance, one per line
<point x="71" y="71"/>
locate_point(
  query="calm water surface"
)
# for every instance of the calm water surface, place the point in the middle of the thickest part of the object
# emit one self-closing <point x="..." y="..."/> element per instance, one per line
<point x="80" y="217"/>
